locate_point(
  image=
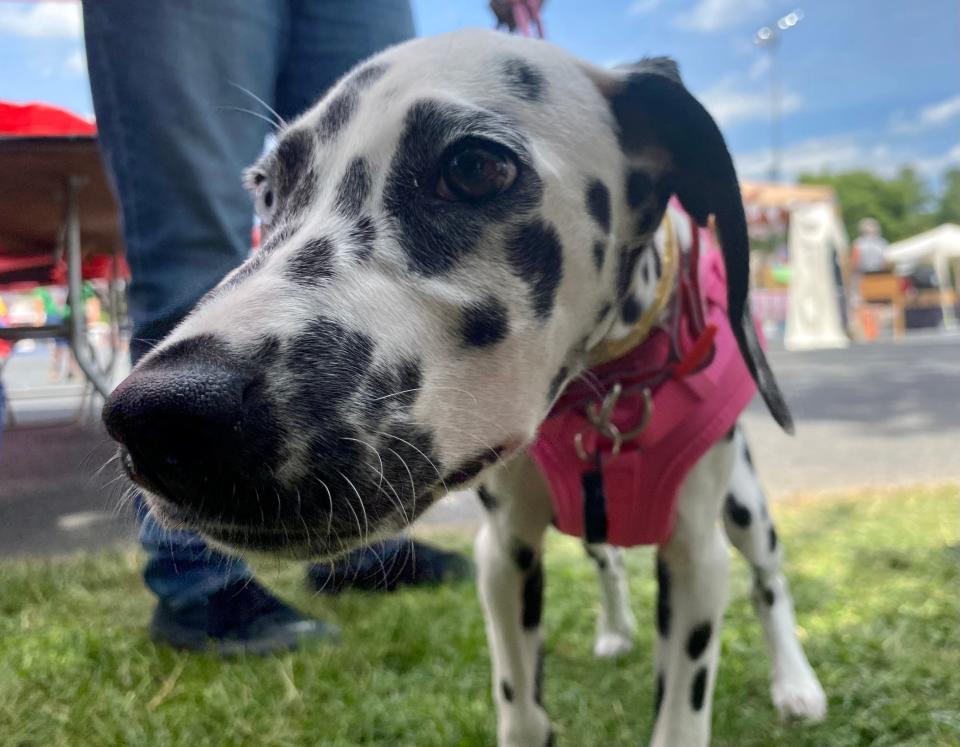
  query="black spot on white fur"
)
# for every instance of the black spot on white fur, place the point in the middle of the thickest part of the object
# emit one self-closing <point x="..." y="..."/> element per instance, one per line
<point x="599" y="254"/>
<point x="354" y="188"/>
<point x="507" y="691"/>
<point x="363" y="235"/>
<point x="768" y="596"/>
<point x="435" y="233"/>
<point x="598" y="557"/>
<point x="468" y="469"/>
<point x="556" y="382"/>
<point x="663" y="597"/>
<point x="536" y="257"/>
<point x="738" y="513"/>
<point x="627" y="264"/>
<point x="295" y="176"/>
<point x="366" y="76"/>
<point x="484" y="324"/>
<point x="773" y="538"/>
<point x="602" y="313"/>
<point x="699" y="689"/>
<point x="389" y="391"/>
<point x="523" y="80"/>
<point x="598" y="203"/>
<point x="312" y="263"/>
<point x="338" y="112"/>
<point x="630" y="310"/>
<point x="524" y="556"/>
<point x="533" y="598"/>
<point x="699" y="640"/>
<point x="487" y="499"/>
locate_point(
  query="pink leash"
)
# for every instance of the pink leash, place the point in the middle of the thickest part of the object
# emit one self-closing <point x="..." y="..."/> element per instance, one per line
<point x="517" y="15"/>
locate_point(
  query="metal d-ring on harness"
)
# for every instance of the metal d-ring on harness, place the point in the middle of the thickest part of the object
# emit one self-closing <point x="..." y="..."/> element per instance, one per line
<point x="600" y="419"/>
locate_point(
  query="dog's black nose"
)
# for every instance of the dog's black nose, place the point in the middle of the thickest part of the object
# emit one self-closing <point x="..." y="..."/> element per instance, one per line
<point x="184" y="418"/>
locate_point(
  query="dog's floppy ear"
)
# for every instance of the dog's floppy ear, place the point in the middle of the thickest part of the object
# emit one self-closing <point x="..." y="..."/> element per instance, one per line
<point x="654" y="109"/>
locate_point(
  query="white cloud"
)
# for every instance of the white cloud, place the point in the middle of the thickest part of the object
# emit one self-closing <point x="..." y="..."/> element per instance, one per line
<point x="43" y="20"/>
<point x="642" y="7"/>
<point x="929" y="118"/>
<point x="936" y="165"/>
<point x="730" y="104"/>
<point x="76" y="63"/>
<point x="842" y="153"/>
<point x="715" y="15"/>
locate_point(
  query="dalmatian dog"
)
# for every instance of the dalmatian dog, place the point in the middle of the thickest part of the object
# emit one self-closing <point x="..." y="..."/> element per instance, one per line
<point x="451" y="231"/>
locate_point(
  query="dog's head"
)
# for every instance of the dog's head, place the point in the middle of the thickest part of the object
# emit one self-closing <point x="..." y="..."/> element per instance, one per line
<point x="447" y="232"/>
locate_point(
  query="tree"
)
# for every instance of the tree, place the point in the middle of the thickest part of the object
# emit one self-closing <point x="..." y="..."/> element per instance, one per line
<point x="949" y="209"/>
<point x="903" y="205"/>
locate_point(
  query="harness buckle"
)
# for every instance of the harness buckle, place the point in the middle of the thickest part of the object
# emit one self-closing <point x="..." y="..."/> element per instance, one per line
<point x="600" y="419"/>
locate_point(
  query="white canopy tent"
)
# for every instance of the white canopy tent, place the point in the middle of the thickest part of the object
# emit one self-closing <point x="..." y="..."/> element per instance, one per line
<point x="939" y="247"/>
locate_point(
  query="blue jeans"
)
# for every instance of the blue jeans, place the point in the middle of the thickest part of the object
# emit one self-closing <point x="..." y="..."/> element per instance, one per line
<point x="167" y="80"/>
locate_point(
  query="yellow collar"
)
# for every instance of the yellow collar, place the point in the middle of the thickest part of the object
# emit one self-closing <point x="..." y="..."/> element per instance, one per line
<point x="609" y="350"/>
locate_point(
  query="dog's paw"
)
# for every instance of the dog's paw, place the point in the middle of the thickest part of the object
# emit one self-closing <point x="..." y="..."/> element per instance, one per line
<point x="612" y="643"/>
<point x="530" y="728"/>
<point x="800" y="698"/>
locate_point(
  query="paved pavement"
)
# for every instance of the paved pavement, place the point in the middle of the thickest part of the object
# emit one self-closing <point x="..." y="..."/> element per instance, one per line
<point x="877" y="415"/>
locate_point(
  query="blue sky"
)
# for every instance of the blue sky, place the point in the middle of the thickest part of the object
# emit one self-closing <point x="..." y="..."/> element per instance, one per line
<point x="866" y="83"/>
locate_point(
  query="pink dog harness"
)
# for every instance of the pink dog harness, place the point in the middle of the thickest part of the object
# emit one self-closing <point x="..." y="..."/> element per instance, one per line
<point x="615" y="469"/>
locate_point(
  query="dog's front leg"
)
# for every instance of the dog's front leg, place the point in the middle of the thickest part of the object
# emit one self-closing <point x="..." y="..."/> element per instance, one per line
<point x="692" y="576"/>
<point x="510" y="580"/>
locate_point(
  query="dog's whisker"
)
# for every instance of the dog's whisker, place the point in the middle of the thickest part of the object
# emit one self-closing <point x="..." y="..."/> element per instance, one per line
<point x="252" y="113"/>
<point x="428" y="459"/>
<point x="382" y="476"/>
<point x="413" y="489"/>
<point x="356" y="516"/>
<point x="471" y="395"/>
<point x="279" y="122"/>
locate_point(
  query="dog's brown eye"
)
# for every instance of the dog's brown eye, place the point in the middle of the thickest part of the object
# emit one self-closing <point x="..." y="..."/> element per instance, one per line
<point x="475" y="170"/>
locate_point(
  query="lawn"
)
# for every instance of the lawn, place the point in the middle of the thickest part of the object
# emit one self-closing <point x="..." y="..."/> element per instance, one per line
<point x="877" y="586"/>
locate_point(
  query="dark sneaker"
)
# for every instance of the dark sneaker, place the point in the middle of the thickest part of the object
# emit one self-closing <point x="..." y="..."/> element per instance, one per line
<point x="243" y="618"/>
<point x="389" y="565"/>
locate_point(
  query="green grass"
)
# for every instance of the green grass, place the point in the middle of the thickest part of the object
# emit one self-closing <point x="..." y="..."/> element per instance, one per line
<point x="875" y="578"/>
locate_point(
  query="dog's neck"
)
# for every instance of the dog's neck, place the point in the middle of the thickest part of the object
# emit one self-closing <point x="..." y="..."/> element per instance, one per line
<point x="648" y="260"/>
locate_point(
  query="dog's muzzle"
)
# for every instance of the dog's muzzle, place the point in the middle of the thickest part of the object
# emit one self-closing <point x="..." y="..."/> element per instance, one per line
<point x="186" y="429"/>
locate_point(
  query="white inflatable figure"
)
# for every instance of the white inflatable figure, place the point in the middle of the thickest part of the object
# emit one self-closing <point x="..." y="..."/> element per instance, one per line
<point x="813" y="309"/>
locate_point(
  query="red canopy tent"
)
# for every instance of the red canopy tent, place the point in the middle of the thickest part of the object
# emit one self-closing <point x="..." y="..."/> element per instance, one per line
<point x="58" y="218"/>
<point x="41" y="148"/>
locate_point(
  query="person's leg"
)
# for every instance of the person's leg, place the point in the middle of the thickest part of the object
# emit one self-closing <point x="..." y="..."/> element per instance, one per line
<point x="328" y="38"/>
<point x="165" y="79"/>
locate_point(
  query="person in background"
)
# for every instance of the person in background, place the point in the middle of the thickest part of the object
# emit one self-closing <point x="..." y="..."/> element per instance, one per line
<point x="185" y="94"/>
<point x="868" y="249"/>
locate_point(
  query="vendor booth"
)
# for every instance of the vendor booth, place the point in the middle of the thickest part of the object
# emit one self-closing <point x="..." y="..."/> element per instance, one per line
<point x="939" y="249"/>
<point x="58" y="226"/>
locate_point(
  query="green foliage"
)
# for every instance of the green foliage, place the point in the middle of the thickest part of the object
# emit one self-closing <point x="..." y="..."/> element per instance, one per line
<point x="875" y="579"/>
<point x="903" y="205"/>
<point x="949" y="210"/>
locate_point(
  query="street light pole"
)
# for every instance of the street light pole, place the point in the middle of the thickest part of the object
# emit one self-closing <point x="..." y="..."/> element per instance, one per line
<point x="768" y="38"/>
